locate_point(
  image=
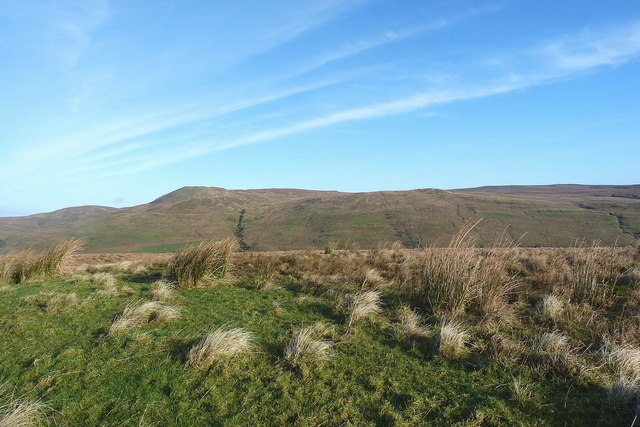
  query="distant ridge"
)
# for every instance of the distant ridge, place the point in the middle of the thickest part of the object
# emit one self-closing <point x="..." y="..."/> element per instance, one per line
<point x="269" y="219"/>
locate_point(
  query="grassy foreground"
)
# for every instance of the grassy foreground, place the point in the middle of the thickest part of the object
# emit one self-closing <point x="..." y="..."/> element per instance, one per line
<point x="390" y="365"/>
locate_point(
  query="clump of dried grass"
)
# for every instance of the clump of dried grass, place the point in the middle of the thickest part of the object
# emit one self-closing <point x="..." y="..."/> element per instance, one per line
<point x="139" y="315"/>
<point x="626" y="361"/>
<point x="218" y="345"/>
<point x="554" y="348"/>
<point x="410" y="325"/>
<point x="15" y="412"/>
<point x="443" y="279"/>
<point x="194" y="264"/>
<point x="162" y="291"/>
<point x="594" y="273"/>
<point x="551" y="306"/>
<point x="27" y="265"/>
<point x="358" y="306"/>
<point x="452" y="340"/>
<point x="307" y="346"/>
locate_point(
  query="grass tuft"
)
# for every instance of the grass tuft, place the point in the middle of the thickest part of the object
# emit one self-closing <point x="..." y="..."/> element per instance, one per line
<point x="194" y="264"/>
<point x="305" y="347"/>
<point x="551" y="307"/>
<point x="218" y="345"/>
<point x="18" y="412"/>
<point x="28" y="265"/>
<point x="161" y="291"/>
<point x="410" y="325"/>
<point x="554" y="348"/>
<point x="360" y="305"/>
<point x="140" y="315"/>
<point x="452" y="340"/>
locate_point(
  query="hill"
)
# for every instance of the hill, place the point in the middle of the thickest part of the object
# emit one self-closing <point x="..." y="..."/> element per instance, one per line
<point x="281" y="219"/>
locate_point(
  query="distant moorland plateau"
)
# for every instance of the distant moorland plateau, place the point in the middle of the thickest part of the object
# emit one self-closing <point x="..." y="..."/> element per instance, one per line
<point x="285" y="219"/>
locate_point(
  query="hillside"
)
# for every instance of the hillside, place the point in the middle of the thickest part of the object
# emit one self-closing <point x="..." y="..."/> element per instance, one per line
<point x="273" y="219"/>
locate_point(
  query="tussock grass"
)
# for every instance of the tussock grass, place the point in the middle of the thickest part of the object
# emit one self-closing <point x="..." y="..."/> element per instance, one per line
<point x="193" y="265"/>
<point x="135" y="315"/>
<point x="626" y="360"/>
<point x="494" y="280"/>
<point x="410" y="325"/>
<point x="220" y="344"/>
<point x="447" y="280"/>
<point x="444" y="279"/>
<point x="162" y="291"/>
<point x="307" y="347"/>
<point x="358" y="306"/>
<point x="28" y="265"/>
<point x="452" y="340"/>
<point x="16" y="412"/>
<point x="594" y="274"/>
<point x="554" y="348"/>
<point x="551" y="306"/>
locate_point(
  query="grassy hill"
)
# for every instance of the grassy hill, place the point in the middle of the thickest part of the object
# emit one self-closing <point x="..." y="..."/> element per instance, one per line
<point x="272" y="219"/>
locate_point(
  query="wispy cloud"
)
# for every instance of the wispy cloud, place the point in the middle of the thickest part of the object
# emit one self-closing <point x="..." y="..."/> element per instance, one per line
<point x="567" y="58"/>
<point x="590" y="48"/>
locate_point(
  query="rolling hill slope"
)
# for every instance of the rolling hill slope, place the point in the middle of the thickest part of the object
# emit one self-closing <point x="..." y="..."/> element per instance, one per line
<point x="272" y="219"/>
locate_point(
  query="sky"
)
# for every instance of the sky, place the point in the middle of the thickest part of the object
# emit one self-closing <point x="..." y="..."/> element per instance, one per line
<point x="116" y="102"/>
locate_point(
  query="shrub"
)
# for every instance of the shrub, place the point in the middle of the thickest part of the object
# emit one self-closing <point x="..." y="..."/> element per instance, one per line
<point x="194" y="264"/>
<point x="219" y="344"/>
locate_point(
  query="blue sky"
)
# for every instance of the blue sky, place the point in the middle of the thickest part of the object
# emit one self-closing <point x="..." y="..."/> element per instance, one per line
<point x="116" y="102"/>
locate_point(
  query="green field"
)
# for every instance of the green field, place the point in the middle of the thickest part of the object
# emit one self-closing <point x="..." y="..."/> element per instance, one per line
<point x="57" y="349"/>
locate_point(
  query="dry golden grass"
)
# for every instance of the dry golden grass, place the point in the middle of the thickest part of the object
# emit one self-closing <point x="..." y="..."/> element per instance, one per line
<point x="135" y="315"/>
<point x="359" y="306"/>
<point x="554" y="349"/>
<point x="220" y="344"/>
<point x="16" y="412"/>
<point x="28" y="265"/>
<point x="307" y="346"/>
<point x="161" y="291"/>
<point x="193" y="265"/>
<point x="594" y="274"/>
<point x="410" y="325"/>
<point x="447" y="280"/>
<point x="452" y="340"/>
<point x="551" y="307"/>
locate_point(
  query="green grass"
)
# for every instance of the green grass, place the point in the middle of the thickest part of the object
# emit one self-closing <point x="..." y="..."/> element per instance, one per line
<point x="66" y="358"/>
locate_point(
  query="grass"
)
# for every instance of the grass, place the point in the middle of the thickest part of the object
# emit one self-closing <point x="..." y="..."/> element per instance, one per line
<point x="452" y="340"/>
<point x="16" y="412"/>
<point x="135" y="316"/>
<point x="193" y="369"/>
<point x="306" y="347"/>
<point x="218" y="345"/>
<point x="22" y="266"/>
<point x="193" y="265"/>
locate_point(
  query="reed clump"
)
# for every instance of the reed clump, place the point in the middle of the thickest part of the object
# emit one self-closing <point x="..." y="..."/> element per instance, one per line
<point x="194" y="265"/>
